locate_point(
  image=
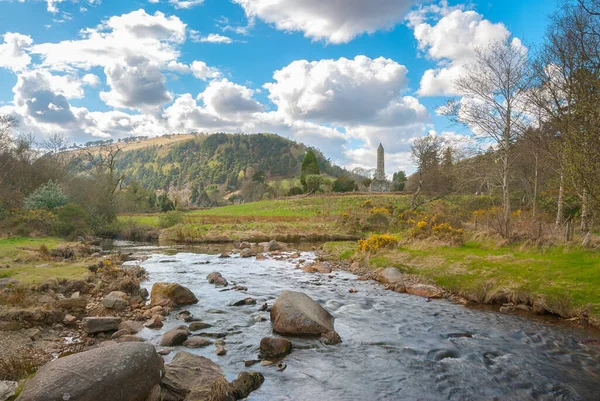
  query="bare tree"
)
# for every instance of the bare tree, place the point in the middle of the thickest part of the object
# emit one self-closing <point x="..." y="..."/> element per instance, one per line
<point x="425" y="153"/>
<point x="493" y="105"/>
<point x="567" y="91"/>
<point x="103" y="160"/>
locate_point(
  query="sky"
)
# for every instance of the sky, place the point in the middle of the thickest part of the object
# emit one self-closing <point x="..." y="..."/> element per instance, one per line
<point x="340" y="75"/>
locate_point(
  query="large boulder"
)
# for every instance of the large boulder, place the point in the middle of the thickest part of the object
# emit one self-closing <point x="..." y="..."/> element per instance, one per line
<point x="245" y="383"/>
<point x="115" y="300"/>
<point x="295" y="313"/>
<point x="190" y="377"/>
<point x="174" y="337"/>
<point x="174" y="294"/>
<point x="391" y="275"/>
<point x="121" y="372"/>
<point x="275" y="347"/>
<point x="92" y="325"/>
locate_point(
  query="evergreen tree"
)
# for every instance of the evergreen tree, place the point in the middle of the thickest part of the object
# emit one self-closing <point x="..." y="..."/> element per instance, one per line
<point x="310" y="166"/>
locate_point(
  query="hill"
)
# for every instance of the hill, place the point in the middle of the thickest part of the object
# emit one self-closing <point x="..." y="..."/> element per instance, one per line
<point x="223" y="161"/>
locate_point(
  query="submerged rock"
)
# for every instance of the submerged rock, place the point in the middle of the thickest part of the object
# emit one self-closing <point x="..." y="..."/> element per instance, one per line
<point x="165" y="294"/>
<point x="121" y="372"/>
<point x="242" y="302"/>
<point x="217" y="279"/>
<point x="275" y="347"/>
<point x="195" y="326"/>
<point x="295" y="313"/>
<point x="331" y="338"/>
<point x="196" y="342"/>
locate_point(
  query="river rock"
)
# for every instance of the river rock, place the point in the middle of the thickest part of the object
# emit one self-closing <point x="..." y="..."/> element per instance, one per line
<point x="195" y="326"/>
<point x="176" y="336"/>
<point x="120" y="333"/>
<point x="165" y="294"/>
<point x="121" y="372"/>
<point x="247" y="253"/>
<point x="128" y="338"/>
<point x="275" y="347"/>
<point x="132" y="326"/>
<point x="245" y="245"/>
<point x="196" y="342"/>
<point x="295" y="313"/>
<point x="115" y="300"/>
<point x="220" y="351"/>
<point x="317" y="268"/>
<point x="273" y="246"/>
<point x="155" y="322"/>
<point x="92" y="325"/>
<point x="217" y="279"/>
<point x="424" y="290"/>
<point x="7" y="389"/>
<point x="246" y="383"/>
<point x="190" y="377"/>
<point x="391" y="275"/>
<point x="242" y="302"/>
<point x="261" y="256"/>
<point x="69" y="320"/>
<point x="331" y="338"/>
<point x="225" y="255"/>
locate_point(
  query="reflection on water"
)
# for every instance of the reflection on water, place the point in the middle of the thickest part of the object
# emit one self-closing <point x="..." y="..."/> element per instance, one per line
<point x="395" y="346"/>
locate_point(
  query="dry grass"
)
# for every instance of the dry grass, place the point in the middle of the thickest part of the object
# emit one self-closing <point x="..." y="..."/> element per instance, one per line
<point x="20" y="363"/>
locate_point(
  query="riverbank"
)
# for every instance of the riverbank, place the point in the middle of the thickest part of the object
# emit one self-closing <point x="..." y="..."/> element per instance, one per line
<point x="562" y="281"/>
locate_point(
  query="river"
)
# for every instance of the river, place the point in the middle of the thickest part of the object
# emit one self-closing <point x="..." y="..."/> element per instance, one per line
<point x="395" y="346"/>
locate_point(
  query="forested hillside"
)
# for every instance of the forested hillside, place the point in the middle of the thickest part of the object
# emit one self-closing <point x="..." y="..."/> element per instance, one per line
<point x="225" y="160"/>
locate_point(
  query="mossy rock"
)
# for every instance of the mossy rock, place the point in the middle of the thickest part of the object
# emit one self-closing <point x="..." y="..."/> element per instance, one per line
<point x="171" y="294"/>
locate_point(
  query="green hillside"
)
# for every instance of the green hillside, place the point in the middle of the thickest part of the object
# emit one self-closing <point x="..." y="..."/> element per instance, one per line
<point x="223" y="160"/>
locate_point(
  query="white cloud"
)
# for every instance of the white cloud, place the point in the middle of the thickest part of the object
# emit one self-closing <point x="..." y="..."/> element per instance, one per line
<point x="91" y="80"/>
<point x="451" y="41"/>
<point x="154" y="37"/>
<point x="203" y="71"/>
<point x="13" y="53"/>
<point x="226" y="99"/>
<point x="185" y="4"/>
<point x="138" y="84"/>
<point x="215" y="38"/>
<point x="334" y="21"/>
<point x="337" y="91"/>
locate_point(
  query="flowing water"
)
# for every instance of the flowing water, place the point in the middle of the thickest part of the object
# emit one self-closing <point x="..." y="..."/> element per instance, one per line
<point x="395" y="346"/>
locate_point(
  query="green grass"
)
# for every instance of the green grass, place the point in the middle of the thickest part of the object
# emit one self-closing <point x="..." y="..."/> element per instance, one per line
<point x="28" y="266"/>
<point x="565" y="280"/>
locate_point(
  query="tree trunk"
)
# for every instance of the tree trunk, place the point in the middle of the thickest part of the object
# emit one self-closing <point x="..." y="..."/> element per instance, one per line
<point x="535" y="189"/>
<point x="561" y="202"/>
<point x="506" y="195"/>
<point x="585" y="211"/>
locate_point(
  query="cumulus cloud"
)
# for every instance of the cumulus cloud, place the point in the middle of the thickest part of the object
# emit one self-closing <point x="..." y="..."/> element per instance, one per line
<point x="214" y="38"/>
<point x="339" y="91"/>
<point x="91" y="79"/>
<point x="138" y="84"/>
<point x="202" y="71"/>
<point x="185" y="3"/>
<point x="226" y="99"/>
<point x="334" y="21"/>
<point x="450" y="35"/>
<point x="13" y="53"/>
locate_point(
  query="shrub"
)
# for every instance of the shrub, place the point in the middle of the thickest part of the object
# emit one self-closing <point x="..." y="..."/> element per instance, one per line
<point x="48" y="196"/>
<point x="376" y="242"/>
<point x="377" y="221"/>
<point x="170" y="219"/>
<point x="344" y="184"/>
<point x="71" y="221"/>
<point x="313" y="182"/>
<point x="165" y="204"/>
<point x="39" y="221"/>
<point x="295" y="191"/>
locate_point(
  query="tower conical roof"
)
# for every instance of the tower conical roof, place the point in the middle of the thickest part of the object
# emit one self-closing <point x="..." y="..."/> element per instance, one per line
<point x="380" y="146"/>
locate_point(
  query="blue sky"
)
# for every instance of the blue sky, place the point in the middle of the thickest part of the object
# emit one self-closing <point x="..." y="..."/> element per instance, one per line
<point x="339" y="75"/>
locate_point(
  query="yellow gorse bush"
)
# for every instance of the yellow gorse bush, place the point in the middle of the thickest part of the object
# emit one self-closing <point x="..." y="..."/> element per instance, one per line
<point x="382" y="210"/>
<point x="376" y="242"/>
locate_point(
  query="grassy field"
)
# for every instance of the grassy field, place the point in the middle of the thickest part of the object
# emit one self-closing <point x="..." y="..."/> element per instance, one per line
<point x="20" y="259"/>
<point x="563" y="280"/>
